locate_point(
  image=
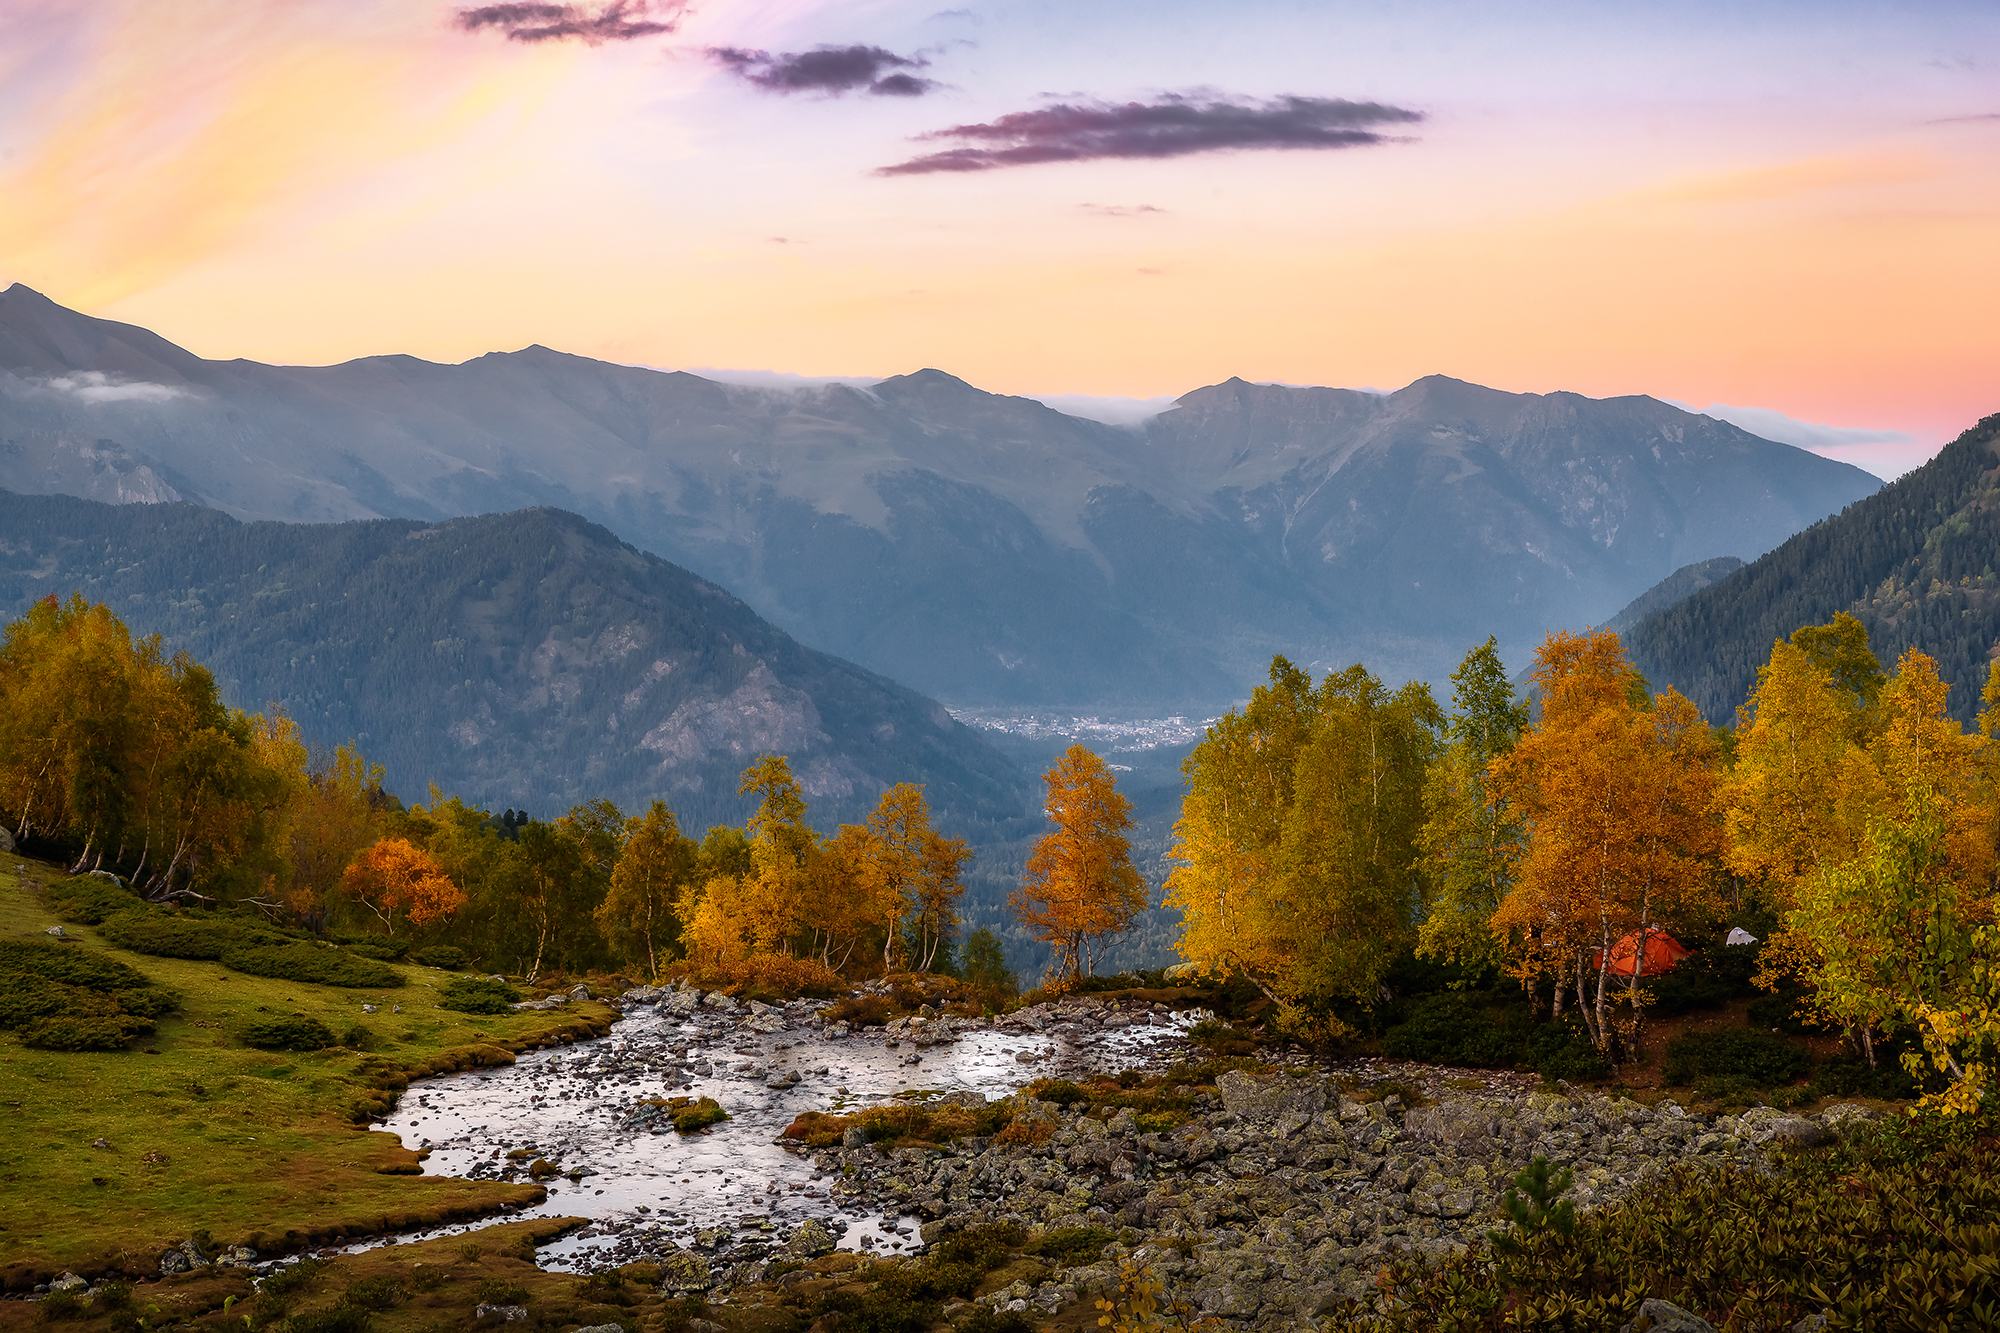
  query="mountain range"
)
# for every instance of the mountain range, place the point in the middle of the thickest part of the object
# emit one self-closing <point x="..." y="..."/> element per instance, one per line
<point x="527" y="660"/>
<point x="985" y="549"/>
<point x="1915" y="562"/>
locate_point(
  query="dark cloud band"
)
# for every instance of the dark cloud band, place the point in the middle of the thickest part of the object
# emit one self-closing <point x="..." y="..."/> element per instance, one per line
<point x="619" y="21"/>
<point x="1172" y="126"/>
<point x="830" y="70"/>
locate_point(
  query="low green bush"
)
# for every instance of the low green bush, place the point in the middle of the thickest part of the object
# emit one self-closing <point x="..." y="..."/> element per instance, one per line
<point x="67" y="998"/>
<point x="90" y="899"/>
<point x="338" y="1319"/>
<point x="171" y="934"/>
<point x="1735" y="1058"/>
<point x="304" y="962"/>
<point x="477" y="995"/>
<point x="1071" y="1246"/>
<point x="499" y="1291"/>
<point x="289" y="1034"/>
<point x="374" y="1293"/>
<point x="1455" y="1028"/>
<point x="447" y="956"/>
<point x="381" y="950"/>
<point x="1707" y="979"/>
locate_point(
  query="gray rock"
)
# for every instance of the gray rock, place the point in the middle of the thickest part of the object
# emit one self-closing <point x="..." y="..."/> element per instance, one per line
<point x="682" y="1271"/>
<point x="1284" y="1099"/>
<point x="1463" y="1125"/>
<point x="602" y="1328"/>
<point x="6" y="839"/>
<point x="810" y="1241"/>
<point x="1799" y="1132"/>
<point x="853" y="1137"/>
<point x="580" y="992"/>
<point x="69" y="1282"/>
<point x="56" y="931"/>
<point x="1657" y="1316"/>
<point x="173" y="1261"/>
<point x="500" y="1314"/>
<point x="1812" y="1323"/>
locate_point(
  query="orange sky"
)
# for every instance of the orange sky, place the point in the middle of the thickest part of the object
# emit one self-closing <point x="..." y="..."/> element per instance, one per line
<point x="1794" y="210"/>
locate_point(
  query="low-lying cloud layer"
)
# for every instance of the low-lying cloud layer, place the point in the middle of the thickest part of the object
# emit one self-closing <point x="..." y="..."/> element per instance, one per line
<point x="94" y="386"/>
<point x="1174" y="125"/>
<point x="619" y="21"/>
<point x="830" y="70"/>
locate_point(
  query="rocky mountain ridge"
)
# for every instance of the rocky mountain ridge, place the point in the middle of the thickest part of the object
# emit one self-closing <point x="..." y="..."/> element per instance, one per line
<point x="986" y="549"/>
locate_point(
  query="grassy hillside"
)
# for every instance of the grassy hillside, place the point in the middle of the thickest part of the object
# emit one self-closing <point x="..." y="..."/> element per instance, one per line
<point x="1915" y="562"/>
<point x="205" y="1133"/>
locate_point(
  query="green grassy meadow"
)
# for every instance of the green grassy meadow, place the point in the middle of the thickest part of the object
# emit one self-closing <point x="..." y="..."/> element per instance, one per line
<point x="204" y="1133"/>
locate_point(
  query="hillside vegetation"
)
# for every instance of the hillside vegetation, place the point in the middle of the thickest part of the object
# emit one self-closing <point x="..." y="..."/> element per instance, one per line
<point x="525" y="660"/>
<point x="1913" y="562"/>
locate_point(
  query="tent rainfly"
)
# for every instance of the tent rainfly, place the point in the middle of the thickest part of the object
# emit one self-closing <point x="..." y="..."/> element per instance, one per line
<point x="1662" y="952"/>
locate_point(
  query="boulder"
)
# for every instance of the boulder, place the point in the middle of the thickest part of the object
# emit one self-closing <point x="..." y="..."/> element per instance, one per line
<point x="682" y="1271"/>
<point x="6" y="839"/>
<point x="69" y="1282"/>
<point x="1283" y="1099"/>
<point x="1657" y="1316"/>
<point x="813" y="1239"/>
<point x="56" y="931"/>
<point x="500" y="1314"/>
<point x="579" y="992"/>
<point x="602" y="1328"/>
<point x="1461" y="1125"/>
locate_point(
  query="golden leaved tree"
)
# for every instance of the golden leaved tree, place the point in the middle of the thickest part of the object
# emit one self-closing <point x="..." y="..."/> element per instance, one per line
<point x="1298" y="837"/>
<point x="1080" y="888"/>
<point x="654" y="866"/>
<point x="1617" y="799"/>
<point x="1900" y="933"/>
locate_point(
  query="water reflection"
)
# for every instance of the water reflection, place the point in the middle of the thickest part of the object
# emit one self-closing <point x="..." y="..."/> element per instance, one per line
<point x="731" y="1183"/>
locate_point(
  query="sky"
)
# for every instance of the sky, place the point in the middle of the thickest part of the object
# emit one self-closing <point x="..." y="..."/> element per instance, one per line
<point x="1787" y="212"/>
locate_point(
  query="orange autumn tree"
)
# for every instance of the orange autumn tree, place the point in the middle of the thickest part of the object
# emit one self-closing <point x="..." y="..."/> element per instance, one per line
<point x="397" y="877"/>
<point x="1617" y="797"/>
<point x="1080" y="888"/>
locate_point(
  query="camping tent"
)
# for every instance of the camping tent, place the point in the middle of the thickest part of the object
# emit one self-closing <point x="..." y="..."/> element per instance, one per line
<point x="1662" y="952"/>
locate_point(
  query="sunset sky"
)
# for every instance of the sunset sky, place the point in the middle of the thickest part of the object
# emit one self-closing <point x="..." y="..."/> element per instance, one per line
<point x="1787" y="207"/>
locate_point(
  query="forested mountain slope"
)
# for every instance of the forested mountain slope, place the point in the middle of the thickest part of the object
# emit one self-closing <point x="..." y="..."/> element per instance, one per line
<point x="1915" y="562"/>
<point x="526" y="659"/>
<point x="984" y="548"/>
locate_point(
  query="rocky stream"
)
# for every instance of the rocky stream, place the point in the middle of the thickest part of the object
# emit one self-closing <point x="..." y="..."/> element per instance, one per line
<point x="1277" y="1196"/>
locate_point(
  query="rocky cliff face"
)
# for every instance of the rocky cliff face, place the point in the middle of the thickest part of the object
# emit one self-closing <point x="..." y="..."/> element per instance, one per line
<point x="985" y="548"/>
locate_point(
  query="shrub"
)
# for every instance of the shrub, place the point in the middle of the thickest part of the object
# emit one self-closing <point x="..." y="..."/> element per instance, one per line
<point x="1451" y="1029"/>
<point x="1069" y="1246"/>
<point x="58" y="1305"/>
<point x="171" y="934"/>
<point x="699" y="1116"/>
<point x="64" y="998"/>
<point x="360" y="1037"/>
<point x="781" y="976"/>
<point x="1758" y="1059"/>
<point x="304" y="962"/>
<point x="477" y="995"/>
<point x="69" y="1033"/>
<point x="339" y="1319"/>
<point x="447" y="956"/>
<point x="1057" y="1092"/>
<point x="90" y="899"/>
<point x="289" y="1034"/>
<point x="499" y="1291"/>
<point x="381" y="950"/>
<point x="1707" y="979"/>
<point x="1787" y="1010"/>
<point x="374" y="1293"/>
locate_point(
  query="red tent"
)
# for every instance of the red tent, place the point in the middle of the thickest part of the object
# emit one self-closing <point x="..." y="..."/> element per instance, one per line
<point x="1662" y="952"/>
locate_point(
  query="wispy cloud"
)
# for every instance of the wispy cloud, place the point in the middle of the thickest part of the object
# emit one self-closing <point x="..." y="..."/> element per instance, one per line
<point x="1120" y="210"/>
<point x="1174" y="125"/>
<point x="829" y="70"/>
<point x="618" y="21"/>
<point x="94" y="386"/>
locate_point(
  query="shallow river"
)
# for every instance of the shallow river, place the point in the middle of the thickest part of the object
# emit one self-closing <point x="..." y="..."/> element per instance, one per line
<point x="643" y="1188"/>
